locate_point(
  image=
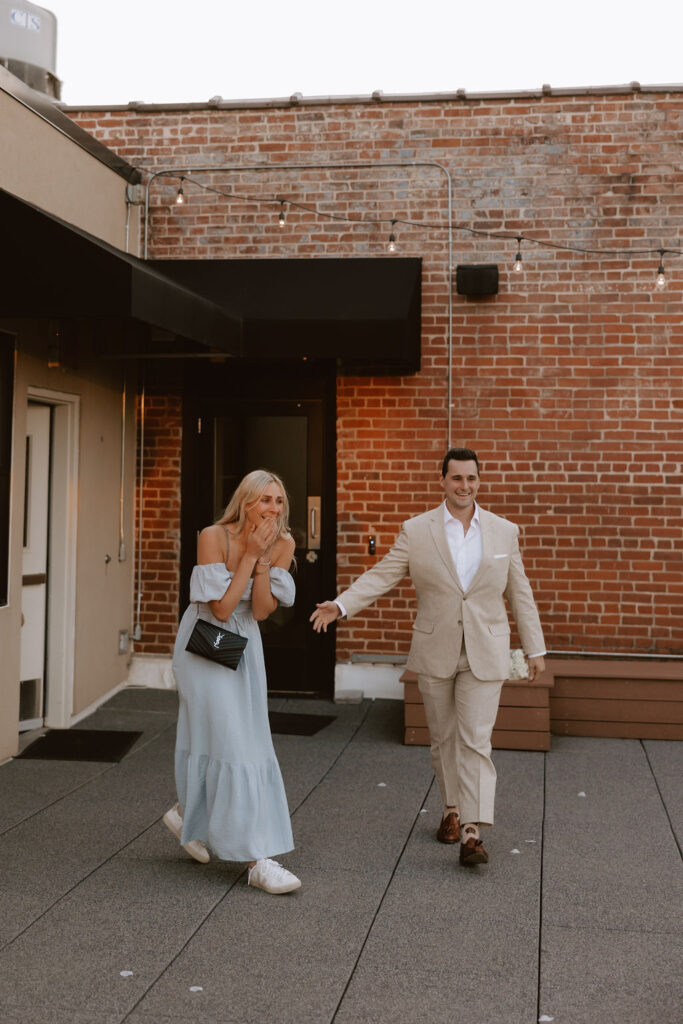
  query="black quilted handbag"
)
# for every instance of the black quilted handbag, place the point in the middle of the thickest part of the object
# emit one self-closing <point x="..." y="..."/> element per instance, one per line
<point x="217" y="644"/>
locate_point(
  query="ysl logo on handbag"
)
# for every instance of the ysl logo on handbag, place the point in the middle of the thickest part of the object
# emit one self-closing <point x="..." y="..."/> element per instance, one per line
<point x="219" y="645"/>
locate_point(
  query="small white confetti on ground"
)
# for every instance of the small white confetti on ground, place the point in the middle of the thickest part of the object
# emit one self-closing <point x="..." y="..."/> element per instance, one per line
<point x="578" y="794"/>
<point x="196" y="988"/>
<point x="545" y="1017"/>
<point x="529" y="840"/>
<point x="423" y="811"/>
<point x="515" y="850"/>
<point x="126" y="974"/>
<point x="383" y="784"/>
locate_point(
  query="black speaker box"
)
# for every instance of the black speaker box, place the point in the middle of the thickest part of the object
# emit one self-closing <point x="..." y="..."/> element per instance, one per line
<point x="476" y="278"/>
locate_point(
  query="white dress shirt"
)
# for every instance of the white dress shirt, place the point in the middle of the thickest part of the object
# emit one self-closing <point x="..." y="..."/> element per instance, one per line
<point x="466" y="548"/>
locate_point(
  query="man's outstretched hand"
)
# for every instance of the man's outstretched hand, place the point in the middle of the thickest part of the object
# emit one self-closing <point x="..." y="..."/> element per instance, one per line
<point x="323" y="615"/>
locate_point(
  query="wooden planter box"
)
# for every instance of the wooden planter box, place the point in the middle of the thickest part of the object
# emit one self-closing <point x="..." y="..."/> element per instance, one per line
<point x="627" y="699"/>
<point x="523" y="721"/>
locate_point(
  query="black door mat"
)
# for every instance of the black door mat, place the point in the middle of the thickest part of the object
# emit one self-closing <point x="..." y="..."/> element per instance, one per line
<point x="81" y="745"/>
<point x="298" y="725"/>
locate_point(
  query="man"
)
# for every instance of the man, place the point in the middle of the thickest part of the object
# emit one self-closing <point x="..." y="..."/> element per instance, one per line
<point x="462" y="560"/>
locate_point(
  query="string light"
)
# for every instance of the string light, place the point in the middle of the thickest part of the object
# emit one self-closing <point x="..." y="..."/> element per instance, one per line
<point x="517" y="265"/>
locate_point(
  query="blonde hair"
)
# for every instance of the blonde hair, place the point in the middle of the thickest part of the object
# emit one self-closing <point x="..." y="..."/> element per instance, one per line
<point x="248" y="491"/>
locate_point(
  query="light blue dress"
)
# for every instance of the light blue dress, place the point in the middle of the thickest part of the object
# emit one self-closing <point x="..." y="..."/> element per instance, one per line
<point x="230" y="789"/>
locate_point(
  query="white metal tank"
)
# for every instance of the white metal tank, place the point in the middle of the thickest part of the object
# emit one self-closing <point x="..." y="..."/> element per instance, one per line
<point x="28" y="44"/>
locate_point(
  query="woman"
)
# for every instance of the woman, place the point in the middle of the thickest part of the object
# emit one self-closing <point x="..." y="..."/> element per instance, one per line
<point x="231" y="798"/>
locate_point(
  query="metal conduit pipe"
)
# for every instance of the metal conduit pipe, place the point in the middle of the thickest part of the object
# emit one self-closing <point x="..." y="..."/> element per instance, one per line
<point x="137" y="632"/>
<point x="128" y="206"/>
<point x="187" y="171"/>
<point x="122" y="536"/>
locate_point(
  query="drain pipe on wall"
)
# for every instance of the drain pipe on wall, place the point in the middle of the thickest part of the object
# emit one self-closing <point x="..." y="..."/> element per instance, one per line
<point x="137" y="632"/>
<point x="122" y="535"/>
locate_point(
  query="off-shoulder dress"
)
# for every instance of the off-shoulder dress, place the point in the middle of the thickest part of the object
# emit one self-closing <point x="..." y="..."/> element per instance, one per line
<point x="230" y="789"/>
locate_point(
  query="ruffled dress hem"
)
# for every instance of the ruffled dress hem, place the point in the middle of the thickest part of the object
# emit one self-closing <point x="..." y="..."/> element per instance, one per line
<point x="239" y="811"/>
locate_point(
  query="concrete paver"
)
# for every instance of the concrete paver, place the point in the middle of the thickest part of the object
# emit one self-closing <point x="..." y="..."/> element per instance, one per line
<point x="611" y="887"/>
<point x="664" y="757"/>
<point x="387" y="927"/>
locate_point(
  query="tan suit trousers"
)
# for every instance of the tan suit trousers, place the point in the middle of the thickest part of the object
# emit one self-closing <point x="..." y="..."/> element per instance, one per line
<point x="461" y="712"/>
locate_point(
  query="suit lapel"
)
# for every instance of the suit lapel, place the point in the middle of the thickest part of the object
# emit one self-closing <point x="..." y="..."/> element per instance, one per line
<point x="438" y="532"/>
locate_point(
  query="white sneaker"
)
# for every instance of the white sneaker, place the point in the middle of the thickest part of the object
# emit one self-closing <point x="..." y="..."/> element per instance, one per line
<point x="269" y="875"/>
<point x="173" y="821"/>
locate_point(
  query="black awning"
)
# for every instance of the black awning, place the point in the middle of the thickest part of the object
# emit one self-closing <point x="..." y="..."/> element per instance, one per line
<point x="54" y="270"/>
<point x="363" y="312"/>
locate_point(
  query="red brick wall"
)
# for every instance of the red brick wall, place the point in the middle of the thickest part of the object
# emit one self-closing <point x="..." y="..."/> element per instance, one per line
<point x="568" y="382"/>
<point x="159" y="504"/>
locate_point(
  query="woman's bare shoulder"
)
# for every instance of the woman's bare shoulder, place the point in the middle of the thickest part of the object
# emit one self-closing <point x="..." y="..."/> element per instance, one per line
<point x="213" y="533"/>
<point x="212" y="545"/>
<point x="284" y="550"/>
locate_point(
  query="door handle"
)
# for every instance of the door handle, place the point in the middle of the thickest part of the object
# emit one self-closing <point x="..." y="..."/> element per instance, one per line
<point x="314" y="523"/>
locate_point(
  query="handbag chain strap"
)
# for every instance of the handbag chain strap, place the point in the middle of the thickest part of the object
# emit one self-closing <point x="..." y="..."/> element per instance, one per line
<point x="227" y="555"/>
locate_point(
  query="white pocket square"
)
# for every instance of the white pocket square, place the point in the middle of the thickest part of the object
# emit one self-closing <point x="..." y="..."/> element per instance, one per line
<point x="501" y="556"/>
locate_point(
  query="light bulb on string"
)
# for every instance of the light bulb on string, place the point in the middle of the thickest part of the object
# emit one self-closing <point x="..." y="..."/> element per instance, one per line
<point x="660" y="283"/>
<point x="517" y="265"/>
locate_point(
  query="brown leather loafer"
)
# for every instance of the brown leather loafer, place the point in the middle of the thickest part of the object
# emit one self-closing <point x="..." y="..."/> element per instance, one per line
<point x="449" y="829"/>
<point x="472" y="852"/>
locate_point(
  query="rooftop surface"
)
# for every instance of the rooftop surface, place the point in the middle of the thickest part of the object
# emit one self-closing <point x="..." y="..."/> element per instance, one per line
<point x="378" y="97"/>
<point x="576" y="919"/>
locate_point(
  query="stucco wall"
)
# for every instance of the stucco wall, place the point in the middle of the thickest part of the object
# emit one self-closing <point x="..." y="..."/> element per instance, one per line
<point x="103" y="589"/>
<point x="43" y="166"/>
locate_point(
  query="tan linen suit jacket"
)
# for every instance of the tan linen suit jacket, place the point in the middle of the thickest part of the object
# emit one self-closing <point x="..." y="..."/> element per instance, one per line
<point x="445" y="612"/>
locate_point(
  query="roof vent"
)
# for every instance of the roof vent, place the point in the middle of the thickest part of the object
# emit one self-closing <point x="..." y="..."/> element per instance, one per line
<point x="28" y="45"/>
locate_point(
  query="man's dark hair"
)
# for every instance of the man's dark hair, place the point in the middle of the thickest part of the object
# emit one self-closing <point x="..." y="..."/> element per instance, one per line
<point x="459" y="455"/>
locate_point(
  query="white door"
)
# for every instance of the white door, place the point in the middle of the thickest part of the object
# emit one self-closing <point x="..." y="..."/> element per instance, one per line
<point x="34" y="567"/>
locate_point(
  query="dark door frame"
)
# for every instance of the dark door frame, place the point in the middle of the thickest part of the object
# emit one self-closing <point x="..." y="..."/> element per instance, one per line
<point x="204" y="388"/>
